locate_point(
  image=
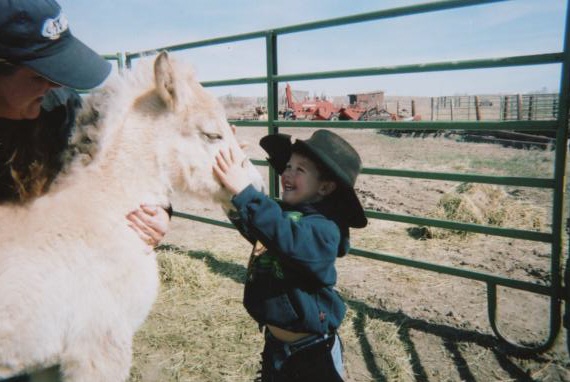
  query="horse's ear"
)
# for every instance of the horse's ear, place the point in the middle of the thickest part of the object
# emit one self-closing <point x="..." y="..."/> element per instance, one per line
<point x="164" y="80"/>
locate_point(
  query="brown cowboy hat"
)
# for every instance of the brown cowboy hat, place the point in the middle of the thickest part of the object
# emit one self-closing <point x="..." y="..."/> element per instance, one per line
<point x="331" y="151"/>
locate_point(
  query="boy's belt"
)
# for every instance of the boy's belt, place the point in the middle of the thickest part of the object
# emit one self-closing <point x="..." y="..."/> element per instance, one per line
<point x="310" y="342"/>
<point x="304" y="343"/>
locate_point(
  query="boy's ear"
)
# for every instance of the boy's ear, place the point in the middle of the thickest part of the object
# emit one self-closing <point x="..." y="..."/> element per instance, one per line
<point x="327" y="187"/>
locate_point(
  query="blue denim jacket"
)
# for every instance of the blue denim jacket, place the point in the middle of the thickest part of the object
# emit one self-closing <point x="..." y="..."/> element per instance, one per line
<point x="291" y="273"/>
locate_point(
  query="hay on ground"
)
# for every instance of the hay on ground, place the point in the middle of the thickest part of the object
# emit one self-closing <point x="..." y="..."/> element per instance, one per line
<point x="481" y="204"/>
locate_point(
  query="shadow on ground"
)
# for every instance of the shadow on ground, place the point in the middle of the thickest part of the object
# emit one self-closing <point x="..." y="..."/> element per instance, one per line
<point x="450" y="336"/>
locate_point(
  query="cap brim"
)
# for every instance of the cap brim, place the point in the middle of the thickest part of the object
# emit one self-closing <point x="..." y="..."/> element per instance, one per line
<point x="76" y="66"/>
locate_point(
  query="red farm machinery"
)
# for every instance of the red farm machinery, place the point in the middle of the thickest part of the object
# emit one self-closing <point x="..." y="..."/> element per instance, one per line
<point x="318" y="109"/>
<point x="321" y="109"/>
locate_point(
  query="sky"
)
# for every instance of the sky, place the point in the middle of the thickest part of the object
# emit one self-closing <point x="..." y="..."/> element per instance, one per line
<point x="511" y="28"/>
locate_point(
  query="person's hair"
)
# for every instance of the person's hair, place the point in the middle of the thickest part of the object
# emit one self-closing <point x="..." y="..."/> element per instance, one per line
<point x="32" y="154"/>
<point x="7" y="68"/>
<point x="32" y="165"/>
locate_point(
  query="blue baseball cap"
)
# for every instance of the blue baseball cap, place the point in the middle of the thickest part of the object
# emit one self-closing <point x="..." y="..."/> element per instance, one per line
<point x="35" y="34"/>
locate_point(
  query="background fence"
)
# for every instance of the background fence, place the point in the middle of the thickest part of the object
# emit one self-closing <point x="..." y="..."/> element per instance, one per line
<point x="513" y="107"/>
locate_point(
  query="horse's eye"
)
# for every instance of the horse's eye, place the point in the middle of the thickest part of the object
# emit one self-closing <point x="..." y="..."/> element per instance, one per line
<point x="213" y="136"/>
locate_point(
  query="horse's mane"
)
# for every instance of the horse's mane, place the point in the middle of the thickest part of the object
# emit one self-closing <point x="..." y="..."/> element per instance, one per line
<point x="93" y="124"/>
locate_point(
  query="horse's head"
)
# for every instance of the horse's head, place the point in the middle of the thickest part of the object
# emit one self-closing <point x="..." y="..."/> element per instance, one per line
<point x="195" y="129"/>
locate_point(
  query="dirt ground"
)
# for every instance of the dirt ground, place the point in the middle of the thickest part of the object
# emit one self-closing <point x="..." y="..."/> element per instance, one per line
<point x="441" y="321"/>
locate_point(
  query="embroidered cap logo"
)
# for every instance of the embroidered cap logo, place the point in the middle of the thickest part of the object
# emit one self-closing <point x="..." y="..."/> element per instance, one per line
<point x="53" y="28"/>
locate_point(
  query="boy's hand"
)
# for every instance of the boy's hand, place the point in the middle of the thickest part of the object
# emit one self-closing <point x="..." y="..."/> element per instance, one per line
<point x="231" y="171"/>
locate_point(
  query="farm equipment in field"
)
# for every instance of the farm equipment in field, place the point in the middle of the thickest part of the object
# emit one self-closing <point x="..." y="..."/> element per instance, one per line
<point x="351" y="113"/>
<point x="309" y="109"/>
<point x="319" y="109"/>
<point x="324" y="110"/>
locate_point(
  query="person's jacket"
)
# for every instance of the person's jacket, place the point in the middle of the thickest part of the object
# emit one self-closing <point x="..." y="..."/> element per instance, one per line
<point x="32" y="149"/>
<point x="291" y="273"/>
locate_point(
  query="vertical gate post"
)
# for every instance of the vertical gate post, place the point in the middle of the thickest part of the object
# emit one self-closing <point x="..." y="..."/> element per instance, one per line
<point x="506" y="111"/>
<point x="559" y="177"/>
<point x="530" y="106"/>
<point x="519" y="107"/>
<point x="272" y="102"/>
<point x="566" y="292"/>
<point x="477" y="110"/>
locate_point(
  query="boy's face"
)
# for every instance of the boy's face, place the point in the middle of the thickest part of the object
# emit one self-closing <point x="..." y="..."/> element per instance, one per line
<point x="301" y="181"/>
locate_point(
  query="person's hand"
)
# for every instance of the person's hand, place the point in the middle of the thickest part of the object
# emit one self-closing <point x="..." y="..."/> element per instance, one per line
<point x="230" y="170"/>
<point x="150" y="223"/>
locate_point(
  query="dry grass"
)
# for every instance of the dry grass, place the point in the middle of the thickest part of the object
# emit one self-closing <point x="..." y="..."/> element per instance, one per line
<point x="487" y="205"/>
<point x="199" y="331"/>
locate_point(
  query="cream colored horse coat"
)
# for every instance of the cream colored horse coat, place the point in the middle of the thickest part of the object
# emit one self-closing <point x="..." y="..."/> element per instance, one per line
<point x="75" y="281"/>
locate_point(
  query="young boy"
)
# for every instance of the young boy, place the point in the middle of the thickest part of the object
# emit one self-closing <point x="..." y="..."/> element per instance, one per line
<point x="291" y="272"/>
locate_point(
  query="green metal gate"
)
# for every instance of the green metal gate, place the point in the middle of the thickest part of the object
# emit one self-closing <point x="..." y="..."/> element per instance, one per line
<point x="557" y="291"/>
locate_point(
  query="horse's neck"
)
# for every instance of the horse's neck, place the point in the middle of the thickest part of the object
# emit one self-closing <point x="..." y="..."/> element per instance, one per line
<point x="128" y="164"/>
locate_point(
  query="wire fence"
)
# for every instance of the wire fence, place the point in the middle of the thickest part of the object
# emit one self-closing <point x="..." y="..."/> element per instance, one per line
<point x="512" y="107"/>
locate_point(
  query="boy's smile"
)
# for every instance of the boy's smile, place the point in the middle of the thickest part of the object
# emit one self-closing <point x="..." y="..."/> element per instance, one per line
<point x="301" y="181"/>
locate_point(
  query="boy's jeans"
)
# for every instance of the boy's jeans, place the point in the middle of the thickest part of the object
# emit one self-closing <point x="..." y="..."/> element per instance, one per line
<point x="315" y="358"/>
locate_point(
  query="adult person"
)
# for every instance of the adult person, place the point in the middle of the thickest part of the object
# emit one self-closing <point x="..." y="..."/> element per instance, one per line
<point x="41" y="63"/>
